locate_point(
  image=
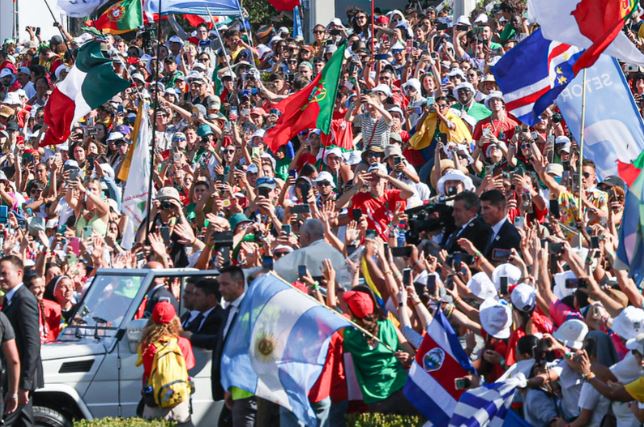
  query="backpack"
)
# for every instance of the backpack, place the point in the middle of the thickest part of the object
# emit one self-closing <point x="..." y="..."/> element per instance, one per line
<point x="169" y="377"/>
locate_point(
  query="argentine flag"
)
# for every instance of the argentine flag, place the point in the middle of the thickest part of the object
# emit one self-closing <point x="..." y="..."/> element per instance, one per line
<point x="278" y="345"/>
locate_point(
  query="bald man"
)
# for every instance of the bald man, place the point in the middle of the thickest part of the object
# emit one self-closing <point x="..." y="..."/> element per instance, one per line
<point x="158" y="291"/>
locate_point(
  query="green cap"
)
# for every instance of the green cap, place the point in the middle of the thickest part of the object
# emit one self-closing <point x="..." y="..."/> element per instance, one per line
<point x="204" y="130"/>
<point x="237" y="219"/>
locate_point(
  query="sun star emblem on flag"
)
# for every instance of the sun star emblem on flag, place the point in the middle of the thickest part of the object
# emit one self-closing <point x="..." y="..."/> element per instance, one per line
<point x="317" y="95"/>
<point x="265" y="346"/>
<point x="116" y="13"/>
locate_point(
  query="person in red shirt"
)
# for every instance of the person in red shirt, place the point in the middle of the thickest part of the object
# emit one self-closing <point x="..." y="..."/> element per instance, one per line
<point x="49" y="314"/>
<point x="499" y="126"/>
<point x="377" y="203"/>
<point x="164" y="325"/>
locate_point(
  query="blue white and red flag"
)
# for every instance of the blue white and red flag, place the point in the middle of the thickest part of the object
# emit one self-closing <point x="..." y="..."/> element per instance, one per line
<point x="533" y="74"/>
<point x="440" y="359"/>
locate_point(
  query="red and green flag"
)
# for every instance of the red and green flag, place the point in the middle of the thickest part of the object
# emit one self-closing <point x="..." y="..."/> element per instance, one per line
<point x="309" y="108"/>
<point x="89" y="84"/>
<point x="630" y="171"/>
<point x="121" y="17"/>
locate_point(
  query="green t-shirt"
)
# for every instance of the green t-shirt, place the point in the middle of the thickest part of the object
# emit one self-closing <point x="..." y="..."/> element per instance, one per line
<point x="378" y="371"/>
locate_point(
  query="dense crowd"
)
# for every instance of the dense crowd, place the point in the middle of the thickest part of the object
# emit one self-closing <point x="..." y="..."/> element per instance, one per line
<point x="428" y="195"/>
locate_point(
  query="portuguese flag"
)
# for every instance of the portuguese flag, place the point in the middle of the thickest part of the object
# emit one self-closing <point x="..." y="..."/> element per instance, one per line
<point x="121" y="17"/>
<point x="310" y="108"/>
<point x="90" y="83"/>
<point x="630" y="171"/>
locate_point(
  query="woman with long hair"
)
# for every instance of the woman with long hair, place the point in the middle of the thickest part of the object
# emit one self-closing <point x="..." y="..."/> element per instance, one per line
<point x="163" y="327"/>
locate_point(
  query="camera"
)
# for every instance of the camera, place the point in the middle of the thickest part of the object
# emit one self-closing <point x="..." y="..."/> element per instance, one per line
<point x="542" y="353"/>
<point x="428" y="218"/>
<point x="165" y="204"/>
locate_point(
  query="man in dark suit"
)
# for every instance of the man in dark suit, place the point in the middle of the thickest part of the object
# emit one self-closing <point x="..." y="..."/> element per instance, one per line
<point x="21" y="308"/>
<point x="203" y="328"/>
<point x="158" y="292"/>
<point x="468" y="224"/>
<point x="504" y="233"/>
<point x="240" y="410"/>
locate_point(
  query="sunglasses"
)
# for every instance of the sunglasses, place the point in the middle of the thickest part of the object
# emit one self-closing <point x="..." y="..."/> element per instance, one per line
<point x="318" y="32"/>
<point x="323" y="183"/>
<point x="586" y="174"/>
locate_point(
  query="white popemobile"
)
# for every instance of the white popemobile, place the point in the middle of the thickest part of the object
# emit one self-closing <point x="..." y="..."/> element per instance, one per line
<point x="90" y="371"/>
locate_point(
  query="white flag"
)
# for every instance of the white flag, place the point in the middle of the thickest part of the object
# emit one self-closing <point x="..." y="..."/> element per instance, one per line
<point x="80" y="8"/>
<point x="135" y="194"/>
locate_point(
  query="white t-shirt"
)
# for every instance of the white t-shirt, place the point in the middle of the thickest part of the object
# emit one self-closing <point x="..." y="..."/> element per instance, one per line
<point x="591" y="399"/>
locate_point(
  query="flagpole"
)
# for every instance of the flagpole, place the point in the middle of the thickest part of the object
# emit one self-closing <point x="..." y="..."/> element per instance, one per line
<point x="355" y="325"/>
<point x="58" y="25"/>
<point x="373" y="28"/>
<point x="154" y="128"/>
<point x="581" y="141"/>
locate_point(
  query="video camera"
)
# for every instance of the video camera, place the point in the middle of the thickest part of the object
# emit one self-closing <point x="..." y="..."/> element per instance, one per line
<point x="542" y="352"/>
<point x="429" y="218"/>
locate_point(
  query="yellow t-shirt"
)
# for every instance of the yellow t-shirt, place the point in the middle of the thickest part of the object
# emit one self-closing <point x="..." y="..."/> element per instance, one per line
<point x="636" y="389"/>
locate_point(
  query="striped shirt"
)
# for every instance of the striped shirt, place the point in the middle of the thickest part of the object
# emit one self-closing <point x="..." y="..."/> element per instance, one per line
<point x="374" y="131"/>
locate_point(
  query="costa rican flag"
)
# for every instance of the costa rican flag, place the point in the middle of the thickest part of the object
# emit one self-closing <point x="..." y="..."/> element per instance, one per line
<point x="533" y="73"/>
<point x="439" y="361"/>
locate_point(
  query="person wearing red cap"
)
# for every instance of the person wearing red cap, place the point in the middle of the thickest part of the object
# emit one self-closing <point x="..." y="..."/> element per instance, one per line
<point x="381" y="374"/>
<point x="163" y="326"/>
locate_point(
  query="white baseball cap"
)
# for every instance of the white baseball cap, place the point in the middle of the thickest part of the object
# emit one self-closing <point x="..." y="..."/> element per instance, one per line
<point x="571" y="333"/>
<point x="629" y="323"/>
<point x="524" y="297"/>
<point x="560" y="289"/>
<point x="481" y="286"/>
<point x="383" y="88"/>
<point x="325" y="176"/>
<point x="496" y="317"/>
<point x="512" y="272"/>
<point x="495" y="94"/>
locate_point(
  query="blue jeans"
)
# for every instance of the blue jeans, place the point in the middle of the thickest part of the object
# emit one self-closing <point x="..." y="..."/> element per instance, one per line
<point x="321" y="409"/>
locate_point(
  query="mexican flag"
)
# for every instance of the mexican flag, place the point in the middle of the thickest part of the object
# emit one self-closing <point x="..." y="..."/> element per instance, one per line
<point x="309" y="108"/>
<point x="90" y="83"/>
<point x="121" y="17"/>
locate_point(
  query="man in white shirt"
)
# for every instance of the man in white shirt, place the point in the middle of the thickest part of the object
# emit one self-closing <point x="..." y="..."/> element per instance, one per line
<point x="314" y="250"/>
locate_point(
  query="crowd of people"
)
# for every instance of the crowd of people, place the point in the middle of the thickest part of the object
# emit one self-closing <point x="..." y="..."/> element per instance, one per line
<point x="442" y="200"/>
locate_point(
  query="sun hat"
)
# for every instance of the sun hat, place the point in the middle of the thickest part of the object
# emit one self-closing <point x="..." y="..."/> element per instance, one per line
<point x="512" y="272"/>
<point x="168" y="193"/>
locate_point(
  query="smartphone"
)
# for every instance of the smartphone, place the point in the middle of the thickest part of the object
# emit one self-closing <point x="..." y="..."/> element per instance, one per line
<point x="406" y="276"/>
<point x="401" y="251"/>
<point x="165" y="234"/>
<point x="301" y="271"/>
<point x="462" y="383"/>
<point x="519" y="222"/>
<point x="503" y="286"/>
<point x="357" y="215"/>
<point x="74" y="173"/>
<point x="371" y="234"/>
<point x="267" y="262"/>
<point x="292" y="173"/>
<point x="431" y="284"/>
<point x="556" y="248"/>
<point x="74" y="244"/>
<point x="489" y="170"/>
<point x="286" y="229"/>
<point x="265" y="192"/>
<point x="500" y="255"/>
<point x="572" y="283"/>
<point x="381" y="57"/>
<point x="301" y="209"/>
<point x="4" y="214"/>
<point x="462" y="27"/>
<point x="397" y="160"/>
<point x="351" y="249"/>
<point x="594" y="242"/>
<point x="554" y="208"/>
<point x="457" y="259"/>
<point x="222" y="239"/>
